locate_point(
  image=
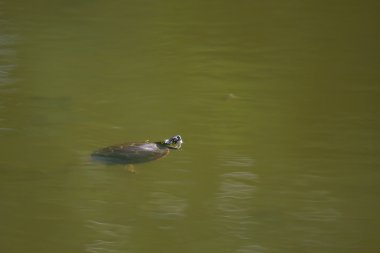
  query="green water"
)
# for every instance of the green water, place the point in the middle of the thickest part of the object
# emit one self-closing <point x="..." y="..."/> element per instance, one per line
<point x="277" y="103"/>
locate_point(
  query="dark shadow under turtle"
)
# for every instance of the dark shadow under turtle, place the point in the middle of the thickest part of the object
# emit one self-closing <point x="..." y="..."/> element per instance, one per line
<point x="136" y="152"/>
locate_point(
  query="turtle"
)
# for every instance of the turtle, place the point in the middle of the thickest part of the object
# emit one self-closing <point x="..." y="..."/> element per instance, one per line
<point x="137" y="152"/>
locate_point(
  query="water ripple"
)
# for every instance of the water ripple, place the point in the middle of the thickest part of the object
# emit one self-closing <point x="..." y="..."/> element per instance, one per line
<point x="233" y="160"/>
<point x="8" y="58"/>
<point x="165" y="205"/>
<point x="234" y="202"/>
<point x="109" y="237"/>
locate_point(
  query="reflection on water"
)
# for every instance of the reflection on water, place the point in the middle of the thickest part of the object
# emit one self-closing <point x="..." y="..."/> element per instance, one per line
<point x="230" y="159"/>
<point x="8" y="63"/>
<point x="164" y="205"/>
<point x="165" y="201"/>
<point x="318" y="207"/>
<point x="8" y="54"/>
<point x="234" y="202"/>
<point x="108" y="237"/>
<point x="250" y="249"/>
<point x="7" y="58"/>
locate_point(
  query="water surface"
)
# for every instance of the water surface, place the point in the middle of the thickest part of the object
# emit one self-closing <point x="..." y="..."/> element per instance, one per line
<point x="277" y="103"/>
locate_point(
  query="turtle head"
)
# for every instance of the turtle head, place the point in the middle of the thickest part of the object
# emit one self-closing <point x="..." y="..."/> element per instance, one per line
<point x="174" y="142"/>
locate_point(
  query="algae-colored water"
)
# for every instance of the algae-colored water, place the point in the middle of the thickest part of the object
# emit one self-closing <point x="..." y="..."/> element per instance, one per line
<point x="277" y="103"/>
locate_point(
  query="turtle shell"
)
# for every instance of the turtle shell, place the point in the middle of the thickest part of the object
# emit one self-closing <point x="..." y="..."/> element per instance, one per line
<point x="131" y="153"/>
